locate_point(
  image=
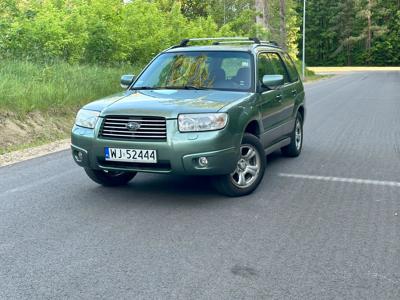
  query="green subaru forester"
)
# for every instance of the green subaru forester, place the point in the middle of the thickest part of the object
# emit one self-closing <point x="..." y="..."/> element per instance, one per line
<point x="215" y="108"/>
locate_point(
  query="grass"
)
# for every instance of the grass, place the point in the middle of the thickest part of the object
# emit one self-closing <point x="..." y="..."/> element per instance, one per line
<point x="309" y="73"/>
<point x="58" y="88"/>
<point x="317" y="77"/>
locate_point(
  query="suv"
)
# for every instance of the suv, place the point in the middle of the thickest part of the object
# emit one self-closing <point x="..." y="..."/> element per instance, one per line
<point x="215" y="110"/>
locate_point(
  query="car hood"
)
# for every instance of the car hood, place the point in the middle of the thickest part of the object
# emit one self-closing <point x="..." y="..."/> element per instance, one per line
<point x="165" y="103"/>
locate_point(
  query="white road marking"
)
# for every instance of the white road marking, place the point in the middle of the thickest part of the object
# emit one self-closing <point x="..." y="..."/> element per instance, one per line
<point x="342" y="179"/>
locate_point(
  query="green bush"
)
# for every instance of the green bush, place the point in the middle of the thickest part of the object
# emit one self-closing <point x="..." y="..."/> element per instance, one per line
<point x="97" y="31"/>
<point x="58" y="87"/>
<point x="308" y="72"/>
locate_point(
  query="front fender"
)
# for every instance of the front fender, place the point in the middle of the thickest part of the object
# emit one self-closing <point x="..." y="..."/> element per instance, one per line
<point x="243" y="114"/>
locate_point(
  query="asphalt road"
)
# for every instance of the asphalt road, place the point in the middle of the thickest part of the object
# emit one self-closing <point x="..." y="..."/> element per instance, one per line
<point x="325" y="225"/>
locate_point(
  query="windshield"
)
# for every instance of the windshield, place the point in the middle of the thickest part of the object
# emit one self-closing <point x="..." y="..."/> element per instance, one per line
<point x="220" y="70"/>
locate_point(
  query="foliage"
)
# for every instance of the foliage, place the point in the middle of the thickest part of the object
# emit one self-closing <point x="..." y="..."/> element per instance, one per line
<point x="111" y="32"/>
<point x="98" y="31"/>
<point x="353" y="32"/>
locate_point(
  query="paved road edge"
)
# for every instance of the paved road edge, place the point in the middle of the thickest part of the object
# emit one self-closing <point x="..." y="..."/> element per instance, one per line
<point x="14" y="157"/>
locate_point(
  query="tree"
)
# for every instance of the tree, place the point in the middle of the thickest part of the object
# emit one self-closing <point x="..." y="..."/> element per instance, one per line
<point x="225" y="11"/>
<point x="194" y="8"/>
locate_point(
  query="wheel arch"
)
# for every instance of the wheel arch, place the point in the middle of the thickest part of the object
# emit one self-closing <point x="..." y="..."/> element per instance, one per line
<point x="253" y="127"/>
<point x="302" y="112"/>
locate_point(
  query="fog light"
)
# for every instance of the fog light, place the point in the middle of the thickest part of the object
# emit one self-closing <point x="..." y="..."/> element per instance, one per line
<point x="78" y="156"/>
<point x="203" y="162"/>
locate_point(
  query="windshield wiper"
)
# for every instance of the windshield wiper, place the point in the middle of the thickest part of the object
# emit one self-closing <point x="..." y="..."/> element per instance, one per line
<point x="170" y="87"/>
<point x="184" y="87"/>
<point x="145" y="88"/>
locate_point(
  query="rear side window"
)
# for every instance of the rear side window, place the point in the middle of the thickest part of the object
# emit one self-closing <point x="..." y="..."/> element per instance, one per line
<point x="294" y="75"/>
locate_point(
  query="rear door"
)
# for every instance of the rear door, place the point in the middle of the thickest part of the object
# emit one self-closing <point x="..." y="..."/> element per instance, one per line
<point x="295" y="86"/>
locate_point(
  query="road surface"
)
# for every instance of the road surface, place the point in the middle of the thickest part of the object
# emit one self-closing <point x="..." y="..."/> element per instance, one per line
<point x="325" y="225"/>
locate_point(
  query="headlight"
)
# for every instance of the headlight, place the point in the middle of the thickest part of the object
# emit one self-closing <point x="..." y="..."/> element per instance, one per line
<point x="87" y="118"/>
<point x="202" y="122"/>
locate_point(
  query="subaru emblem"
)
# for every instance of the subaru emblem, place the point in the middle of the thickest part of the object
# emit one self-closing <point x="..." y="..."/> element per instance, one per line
<point x="132" y="126"/>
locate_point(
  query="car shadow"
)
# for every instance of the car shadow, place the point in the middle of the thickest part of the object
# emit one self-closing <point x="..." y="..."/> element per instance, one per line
<point x="275" y="158"/>
<point x="164" y="190"/>
<point x="172" y="190"/>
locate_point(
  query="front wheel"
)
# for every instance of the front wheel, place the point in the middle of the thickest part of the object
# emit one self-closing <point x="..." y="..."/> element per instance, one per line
<point x="249" y="170"/>
<point x="110" y="178"/>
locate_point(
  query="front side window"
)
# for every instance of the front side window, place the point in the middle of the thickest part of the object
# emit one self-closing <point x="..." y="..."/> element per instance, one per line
<point x="264" y="67"/>
<point x="199" y="70"/>
<point x="271" y="64"/>
<point x="278" y="66"/>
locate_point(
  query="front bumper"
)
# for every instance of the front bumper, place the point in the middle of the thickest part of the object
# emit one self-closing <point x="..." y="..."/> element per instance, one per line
<point x="179" y="153"/>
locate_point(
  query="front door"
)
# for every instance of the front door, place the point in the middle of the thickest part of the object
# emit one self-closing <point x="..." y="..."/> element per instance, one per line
<point x="288" y="96"/>
<point x="270" y="101"/>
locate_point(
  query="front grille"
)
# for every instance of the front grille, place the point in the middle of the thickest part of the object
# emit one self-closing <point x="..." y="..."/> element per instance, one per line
<point x="118" y="127"/>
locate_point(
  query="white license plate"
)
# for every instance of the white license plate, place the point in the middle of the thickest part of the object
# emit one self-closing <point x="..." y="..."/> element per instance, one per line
<point x="130" y="155"/>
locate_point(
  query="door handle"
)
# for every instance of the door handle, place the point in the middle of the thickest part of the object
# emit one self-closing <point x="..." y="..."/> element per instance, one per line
<point x="294" y="92"/>
<point x="279" y="98"/>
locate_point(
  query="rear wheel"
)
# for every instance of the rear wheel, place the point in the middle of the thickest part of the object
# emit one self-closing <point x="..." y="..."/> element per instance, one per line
<point x="296" y="139"/>
<point x="249" y="170"/>
<point x="110" y="178"/>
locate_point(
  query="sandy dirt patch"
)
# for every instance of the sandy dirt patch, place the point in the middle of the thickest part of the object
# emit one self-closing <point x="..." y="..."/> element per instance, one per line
<point x="25" y="154"/>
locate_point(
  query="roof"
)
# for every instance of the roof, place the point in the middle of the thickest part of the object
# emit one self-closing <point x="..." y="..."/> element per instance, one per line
<point x="213" y="48"/>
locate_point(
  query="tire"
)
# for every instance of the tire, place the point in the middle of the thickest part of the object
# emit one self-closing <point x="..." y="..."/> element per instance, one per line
<point x="110" y="178"/>
<point x="243" y="181"/>
<point x="296" y="139"/>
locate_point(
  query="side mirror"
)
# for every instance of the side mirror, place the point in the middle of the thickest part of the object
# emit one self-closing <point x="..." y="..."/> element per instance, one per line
<point x="272" y="81"/>
<point x="126" y="80"/>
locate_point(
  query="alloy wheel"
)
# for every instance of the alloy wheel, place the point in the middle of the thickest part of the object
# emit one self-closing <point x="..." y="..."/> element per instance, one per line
<point x="248" y="167"/>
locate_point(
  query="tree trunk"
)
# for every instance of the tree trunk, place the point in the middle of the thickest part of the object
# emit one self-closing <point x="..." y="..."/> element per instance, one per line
<point x="267" y="16"/>
<point x="282" y="23"/>
<point x="260" y="8"/>
<point x="369" y="34"/>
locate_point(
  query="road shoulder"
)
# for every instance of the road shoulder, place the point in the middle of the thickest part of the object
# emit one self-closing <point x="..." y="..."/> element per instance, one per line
<point x="34" y="152"/>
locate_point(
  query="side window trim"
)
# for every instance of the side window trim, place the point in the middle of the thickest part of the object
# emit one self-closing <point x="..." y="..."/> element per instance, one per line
<point x="280" y="55"/>
<point x="258" y="85"/>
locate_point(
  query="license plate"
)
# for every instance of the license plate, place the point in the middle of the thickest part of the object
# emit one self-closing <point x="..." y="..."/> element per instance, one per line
<point x="130" y="155"/>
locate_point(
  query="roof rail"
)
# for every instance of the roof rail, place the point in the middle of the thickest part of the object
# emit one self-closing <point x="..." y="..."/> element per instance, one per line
<point x="232" y="42"/>
<point x="229" y="40"/>
<point x="270" y="43"/>
<point x="225" y="40"/>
